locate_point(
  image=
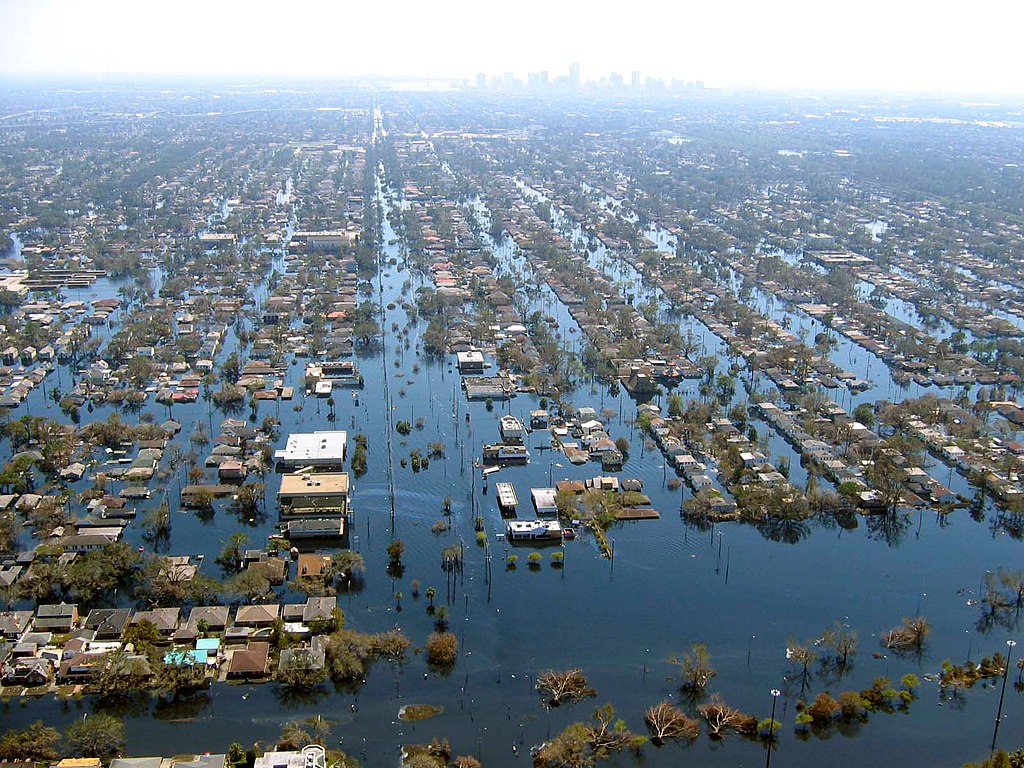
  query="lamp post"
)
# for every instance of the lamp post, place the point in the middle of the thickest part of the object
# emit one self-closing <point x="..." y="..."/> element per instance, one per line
<point x="771" y="728"/>
<point x="999" y="713"/>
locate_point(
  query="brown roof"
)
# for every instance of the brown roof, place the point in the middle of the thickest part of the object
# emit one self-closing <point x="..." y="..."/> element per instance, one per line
<point x="251" y="662"/>
<point x="257" y="614"/>
<point x="312" y="565"/>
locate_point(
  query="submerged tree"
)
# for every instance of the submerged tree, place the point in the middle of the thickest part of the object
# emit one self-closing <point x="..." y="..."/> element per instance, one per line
<point x="667" y="721"/>
<point x="568" y="685"/>
<point x="720" y="717"/>
<point x="695" y="669"/>
<point x="909" y="637"/>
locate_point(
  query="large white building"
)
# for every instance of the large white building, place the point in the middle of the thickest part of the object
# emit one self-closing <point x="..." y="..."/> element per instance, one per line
<point x="314" y="449"/>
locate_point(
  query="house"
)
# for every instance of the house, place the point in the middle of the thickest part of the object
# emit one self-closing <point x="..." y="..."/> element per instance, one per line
<point x="544" y="500"/>
<point x="312" y="756"/>
<point x="250" y="662"/>
<point x="201" y="761"/>
<point x="257" y="615"/>
<point x="312" y="565"/>
<point x="323" y="449"/>
<point x="319" y="609"/>
<point x="136" y="762"/>
<point x="13" y="624"/>
<point x="312" y="657"/>
<point x="539" y="419"/>
<point x="603" y="483"/>
<point x="470" y="361"/>
<point x="27" y="671"/>
<point x="108" y="623"/>
<point x="215" y="617"/>
<point x="164" y="619"/>
<point x="62" y="618"/>
<point x="511" y="429"/>
<point x="314" y="495"/>
<point x="231" y="469"/>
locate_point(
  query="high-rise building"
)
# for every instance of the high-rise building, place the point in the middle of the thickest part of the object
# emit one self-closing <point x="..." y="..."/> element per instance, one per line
<point x="574" y="74"/>
<point x="634" y="79"/>
<point x="481" y="80"/>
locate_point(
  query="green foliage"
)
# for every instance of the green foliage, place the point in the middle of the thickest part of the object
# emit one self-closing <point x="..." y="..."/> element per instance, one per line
<point x="96" y="735"/>
<point x="36" y="742"/>
<point x="301" y="672"/>
<point x="231" y="555"/>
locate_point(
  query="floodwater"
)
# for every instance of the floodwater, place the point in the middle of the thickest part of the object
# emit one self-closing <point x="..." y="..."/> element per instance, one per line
<point x="744" y="591"/>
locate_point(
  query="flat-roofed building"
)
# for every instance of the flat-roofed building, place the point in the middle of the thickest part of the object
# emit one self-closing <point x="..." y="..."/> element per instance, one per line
<point x="470" y="361"/>
<point x="321" y="449"/>
<point x="314" y="495"/>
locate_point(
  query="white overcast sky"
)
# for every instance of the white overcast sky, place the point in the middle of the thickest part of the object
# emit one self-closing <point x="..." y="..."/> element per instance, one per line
<point x="882" y="45"/>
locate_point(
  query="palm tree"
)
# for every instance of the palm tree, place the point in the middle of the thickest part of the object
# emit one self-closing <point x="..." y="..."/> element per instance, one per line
<point x="430" y="593"/>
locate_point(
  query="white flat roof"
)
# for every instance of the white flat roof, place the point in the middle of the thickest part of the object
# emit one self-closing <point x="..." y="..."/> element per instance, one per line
<point x="314" y="448"/>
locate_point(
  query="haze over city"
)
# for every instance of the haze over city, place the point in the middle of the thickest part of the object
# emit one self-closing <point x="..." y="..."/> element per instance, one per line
<point x="942" y="46"/>
<point x="441" y="385"/>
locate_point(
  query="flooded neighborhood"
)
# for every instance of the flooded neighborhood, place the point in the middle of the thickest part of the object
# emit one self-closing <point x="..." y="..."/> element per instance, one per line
<point x="383" y="426"/>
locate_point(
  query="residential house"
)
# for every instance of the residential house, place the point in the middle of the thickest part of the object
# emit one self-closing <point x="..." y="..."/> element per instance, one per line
<point x="251" y="662"/>
<point x="62" y="618"/>
<point x="108" y="623"/>
<point x="257" y="615"/>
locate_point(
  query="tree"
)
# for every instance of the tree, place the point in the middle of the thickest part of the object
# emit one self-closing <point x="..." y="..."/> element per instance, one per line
<point x="247" y="502"/>
<point x="293" y="737"/>
<point x="695" y="669"/>
<point x="250" y="584"/>
<point x="178" y="678"/>
<point x="347" y="565"/>
<point x="231" y="556"/>
<point x="840" y="644"/>
<point x="100" y="571"/>
<point x="395" y="551"/>
<point x="801" y="657"/>
<point x="720" y="717"/>
<point x="824" y="709"/>
<point x="95" y="735"/>
<point x="570" y="685"/>
<point x="909" y="636"/>
<point x="610" y="734"/>
<point x="301" y="672"/>
<point x="231" y="368"/>
<point x="668" y="721"/>
<point x="569" y="749"/>
<point x="121" y="674"/>
<point x="442" y="649"/>
<point x="156" y="523"/>
<point x="36" y="742"/>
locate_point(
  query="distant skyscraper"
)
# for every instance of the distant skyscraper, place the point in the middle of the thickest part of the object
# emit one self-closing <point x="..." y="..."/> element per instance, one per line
<point x="574" y="74"/>
<point x="544" y="77"/>
<point x="634" y="79"/>
<point x="481" y="80"/>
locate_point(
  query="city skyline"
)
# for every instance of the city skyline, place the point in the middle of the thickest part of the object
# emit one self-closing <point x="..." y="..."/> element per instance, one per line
<point x="791" y="45"/>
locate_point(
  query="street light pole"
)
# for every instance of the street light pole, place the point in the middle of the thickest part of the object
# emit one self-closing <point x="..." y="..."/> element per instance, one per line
<point x="771" y="728"/>
<point x="999" y="714"/>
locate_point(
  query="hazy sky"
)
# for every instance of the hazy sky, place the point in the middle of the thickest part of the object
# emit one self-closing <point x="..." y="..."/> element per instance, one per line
<point x="871" y="44"/>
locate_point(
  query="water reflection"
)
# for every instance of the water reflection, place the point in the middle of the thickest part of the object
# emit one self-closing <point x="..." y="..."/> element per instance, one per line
<point x="182" y="709"/>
